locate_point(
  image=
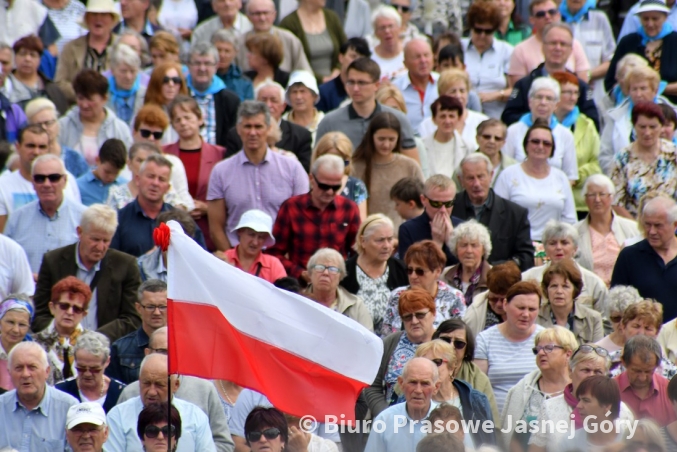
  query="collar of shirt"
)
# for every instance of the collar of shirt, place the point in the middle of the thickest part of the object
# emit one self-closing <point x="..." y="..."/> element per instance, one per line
<point x="645" y="247"/>
<point x="236" y="260"/>
<point x="138" y="210"/>
<point x="570" y="318"/>
<point x="141" y="338"/>
<point x="624" y="384"/>
<point x="56" y="214"/>
<point x="352" y="114"/>
<point x="487" y="205"/>
<point x="244" y="160"/>
<point x="147" y="28"/>
<point x="82" y="267"/>
<point x="308" y="201"/>
<point x="43" y="406"/>
<point x="471" y="45"/>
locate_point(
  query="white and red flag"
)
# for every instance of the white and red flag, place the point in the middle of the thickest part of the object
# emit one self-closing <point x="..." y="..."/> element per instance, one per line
<point x="227" y="324"/>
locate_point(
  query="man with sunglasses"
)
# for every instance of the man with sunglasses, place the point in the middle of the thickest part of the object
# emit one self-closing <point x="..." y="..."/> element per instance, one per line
<point x="319" y="219"/>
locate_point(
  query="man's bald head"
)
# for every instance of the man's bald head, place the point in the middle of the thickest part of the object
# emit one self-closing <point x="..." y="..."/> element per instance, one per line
<point x="153" y="379"/>
<point x="418" y="58"/>
<point x="158" y="341"/>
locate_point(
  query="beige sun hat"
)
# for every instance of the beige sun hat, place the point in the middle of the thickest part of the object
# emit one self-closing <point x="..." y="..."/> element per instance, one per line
<point x="101" y="6"/>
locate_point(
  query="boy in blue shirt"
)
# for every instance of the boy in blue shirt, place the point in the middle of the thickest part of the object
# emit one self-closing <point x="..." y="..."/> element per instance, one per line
<point x="95" y="184"/>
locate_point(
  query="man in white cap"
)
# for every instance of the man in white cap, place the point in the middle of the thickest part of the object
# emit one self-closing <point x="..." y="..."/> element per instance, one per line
<point x="255" y="231"/>
<point x="86" y="428"/>
<point x="302" y="96"/>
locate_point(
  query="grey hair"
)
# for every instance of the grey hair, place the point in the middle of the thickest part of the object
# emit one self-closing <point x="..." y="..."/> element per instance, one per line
<point x="100" y="217"/>
<point x="123" y="54"/>
<point x="203" y="48"/>
<point x="38" y="105"/>
<point x="95" y="343"/>
<point x="251" y="108"/>
<point x="269" y="83"/>
<point x="142" y="146"/>
<point x="643" y="347"/>
<point x="270" y="2"/>
<point x="4" y="45"/>
<point x="369" y="225"/>
<point x="28" y="346"/>
<point x="330" y="162"/>
<point x="475" y="157"/>
<point x="158" y="159"/>
<point x="385" y="12"/>
<point x="599" y="179"/>
<point x="545" y="83"/>
<point x="471" y="230"/>
<point x="226" y="35"/>
<point x="330" y="254"/>
<point x="433" y="367"/>
<point x="581" y="356"/>
<point x="152" y="286"/>
<point x="48" y="158"/>
<point x="558" y="229"/>
<point x="145" y="53"/>
<point x="152" y="356"/>
<point x="659" y="205"/>
<point x="629" y="61"/>
<point x="621" y="297"/>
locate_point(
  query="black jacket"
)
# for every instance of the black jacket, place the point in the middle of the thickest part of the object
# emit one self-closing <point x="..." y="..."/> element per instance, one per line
<point x="518" y="104"/>
<point x="295" y="139"/>
<point x="115" y="388"/>
<point x="632" y="43"/>
<point x="397" y="275"/>
<point x="417" y="229"/>
<point x="508" y="224"/>
<point x="226" y="104"/>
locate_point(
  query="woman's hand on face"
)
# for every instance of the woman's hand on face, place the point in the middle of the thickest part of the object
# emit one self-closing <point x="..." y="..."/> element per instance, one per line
<point x="298" y="440"/>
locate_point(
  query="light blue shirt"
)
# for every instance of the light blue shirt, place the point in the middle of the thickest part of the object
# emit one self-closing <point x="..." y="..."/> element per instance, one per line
<point x="37" y="233"/>
<point x="631" y="23"/>
<point x="90" y="321"/>
<point x="93" y="191"/>
<point x="391" y="440"/>
<point x="196" y="436"/>
<point x="417" y="110"/>
<point x="42" y="429"/>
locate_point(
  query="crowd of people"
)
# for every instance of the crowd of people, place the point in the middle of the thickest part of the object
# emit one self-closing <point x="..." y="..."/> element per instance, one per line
<point x="489" y="186"/>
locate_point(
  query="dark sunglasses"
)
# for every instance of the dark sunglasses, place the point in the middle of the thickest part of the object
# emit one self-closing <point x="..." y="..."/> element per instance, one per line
<point x="145" y="133"/>
<point x="439" y="361"/>
<point x="66" y="306"/>
<point x="411" y="315"/>
<point x="547" y="12"/>
<point x="547" y="348"/>
<point x="489" y="137"/>
<point x="175" y="80"/>
<point x="601" y="351"/>
<point x="269" y="433"/>
<point x="537" y="142"/>
<point x="401" y="8"/>
<point x="457" y="343"/>
<point x="438" y="204"/>
<point x="483" y="31"/>
<point x="41" y="178"/>
<point x="92" y="370"/>
<point x="152" y="431"/>
<point x="327" y="187"/>
<point x="419" y="271"/>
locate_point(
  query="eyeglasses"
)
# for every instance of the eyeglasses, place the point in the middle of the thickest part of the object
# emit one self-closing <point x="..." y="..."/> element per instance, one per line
<point x="597" y="195"/>
<point x="41" y="178"/>
<point x="45" y="124"/>
<point x="411" y="315"/>
<point x="401" y="8"/>
<point x="360" y="83"/>
<point x="546" y="348"/>
<point x="438" y="204"/>
<point x="616" y="318"/>
<point x="145" y="133"/>
<point x="269" y="433"/>
<point x="153" y="307"/>
<point x="457" y="343"/>
<point x="538" y="142"/>
<point x="601" y="351"/>
<point x="489" y="137"/>
<point x="66" y="306"/>
<point x="483" y="31"/>
<point x="327" y="187"/>
<point x="548" y="12"/>
<point x="418" y="270"/>
<point x="174" y="80"/>
<point x="439" y="361"/>
<point x="330" y="268"/>
<point x="152" y="431"/>
<point x="92" y="370"/>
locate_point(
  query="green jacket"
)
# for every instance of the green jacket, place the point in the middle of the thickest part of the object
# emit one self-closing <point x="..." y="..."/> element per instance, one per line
<point x="587" y="144"/>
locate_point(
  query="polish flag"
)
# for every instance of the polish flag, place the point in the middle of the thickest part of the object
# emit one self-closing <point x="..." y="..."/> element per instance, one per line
<point x="226" y="324"/>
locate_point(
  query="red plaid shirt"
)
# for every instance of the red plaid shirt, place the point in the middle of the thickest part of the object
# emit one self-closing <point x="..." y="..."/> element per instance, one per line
<point x="301" y="229"/>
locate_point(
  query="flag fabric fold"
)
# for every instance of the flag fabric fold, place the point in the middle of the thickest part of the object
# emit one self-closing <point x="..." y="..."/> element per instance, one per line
<point x="226" y="324"/>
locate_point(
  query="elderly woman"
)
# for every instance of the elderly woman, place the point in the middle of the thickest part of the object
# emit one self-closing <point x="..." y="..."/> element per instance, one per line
<point x="68" y="305"/>
<point x="387" y="48"/>
<point x="553" y="348"/>
<point x="86" y="126"/>
<point x="254" y="231"/>
<point x="473" y="404"/>
<point x="503" y="350"/>
<point x="92" y="357"/>
<point x="543" y="97"/>
<point x="562" y="284"/>
<point x="648" y="164"/>
<point x="227" y="42"/>
<point x="620" y="298"/>
<point x="416" y="307"/>
<point x="43" y="112"/>
<point x="602" y="233"/>
<point x="491" y="135"/>
<point x="560" y="241"/>
<point x="337" y="143"/>
<point x="166" y="82"/>
<point x="16" y="314"/>
<point x="445" y="147"/>
<point x="536" y="185"/>
<point x="655" y="41"/>
<point x="425" y="262"/>
<point x="374" y="273"/>
<point x="326" y="269"/>
<point x="642" y="84"/>
<point x="266" y="429"/>
<point x="471" y="244"/>
<point x="126" y="93"/>
<point x="155" y="433"/>
<point x="264" y="54"/>
<point x="456" y="333"/>
<point x="488" y="75"/>
<point x="488" y="308"/>
<point x="619" y="92"/>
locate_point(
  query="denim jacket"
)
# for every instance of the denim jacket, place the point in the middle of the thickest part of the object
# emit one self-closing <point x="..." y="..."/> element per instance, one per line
<point x="475" y="408"/>
<point x="126" y="355"/>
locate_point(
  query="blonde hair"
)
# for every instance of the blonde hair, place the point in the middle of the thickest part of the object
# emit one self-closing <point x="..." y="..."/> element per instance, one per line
<point x="386" y="92"/>
<point x="641" y="74"/>
<point x="338" y="141"/>
<point x="38" y="105"/>
<point x="450" y="77"/>
<point x="629" y="61"/>
<point x="560" y="335"/>
<point x="439" y="348"/>
<point x="368" y="225"/>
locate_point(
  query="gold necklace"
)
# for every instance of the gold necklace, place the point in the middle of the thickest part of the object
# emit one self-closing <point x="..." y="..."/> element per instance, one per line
<point x="225" y="393"/>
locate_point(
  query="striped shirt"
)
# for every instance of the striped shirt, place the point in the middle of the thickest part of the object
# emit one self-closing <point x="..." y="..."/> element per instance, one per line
<point x="509" y="361"/>
<point x="67" y="22"/>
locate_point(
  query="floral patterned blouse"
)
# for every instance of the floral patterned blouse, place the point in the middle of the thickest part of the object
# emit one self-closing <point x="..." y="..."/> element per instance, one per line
<point x="57" y="347"/>
<point x="404" y="351"/>
<point x="449" y="302"/>
<point x="634" y="178"/>
<point x="375" y="294"/>
<point x="355" y="190"/>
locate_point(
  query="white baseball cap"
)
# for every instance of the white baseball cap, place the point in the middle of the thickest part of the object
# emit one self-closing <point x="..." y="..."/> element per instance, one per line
<point x="305" y="78"/>
<point x="85" y="413"/>
<point x="259" y="221"/>
<point x="652" y="5"/>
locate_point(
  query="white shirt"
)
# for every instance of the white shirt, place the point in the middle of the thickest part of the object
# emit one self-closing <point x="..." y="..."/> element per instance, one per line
<point x="175" y="14"/>
<point x="488" y="71"/>
<point x="15" y="191"/>
<point x="545" y="199"/>
<point x="15" y="272"/>
<point x="390" y="67"/>
<point x="444" y="158"/>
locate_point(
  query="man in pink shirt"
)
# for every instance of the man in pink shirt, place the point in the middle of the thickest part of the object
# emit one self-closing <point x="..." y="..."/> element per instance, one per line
<point x="529" y="53"/>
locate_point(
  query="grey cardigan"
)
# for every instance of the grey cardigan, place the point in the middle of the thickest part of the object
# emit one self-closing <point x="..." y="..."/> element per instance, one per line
<point x="71" y="129"/>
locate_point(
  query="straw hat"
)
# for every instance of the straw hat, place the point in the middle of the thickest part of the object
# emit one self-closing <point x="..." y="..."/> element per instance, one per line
<point x="101" y="6"/>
